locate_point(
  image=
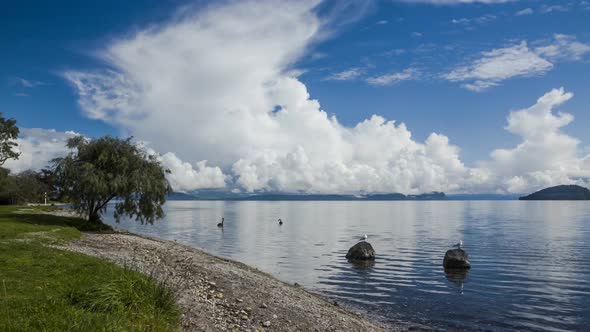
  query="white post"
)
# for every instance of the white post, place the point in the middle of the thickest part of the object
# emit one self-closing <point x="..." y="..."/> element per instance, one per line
<point x="45" y="196"/>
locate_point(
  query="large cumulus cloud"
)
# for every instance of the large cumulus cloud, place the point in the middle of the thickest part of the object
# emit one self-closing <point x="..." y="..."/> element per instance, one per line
<point x="217" y="86"/>
<point x="37" y="147"/>
<point x="545" y="156"/>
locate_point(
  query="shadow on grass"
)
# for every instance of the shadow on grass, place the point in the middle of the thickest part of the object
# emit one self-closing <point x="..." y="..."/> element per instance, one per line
<point x="52" y="220"/>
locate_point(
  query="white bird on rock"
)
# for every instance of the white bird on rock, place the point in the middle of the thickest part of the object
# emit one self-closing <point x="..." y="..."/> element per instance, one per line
<point x="459" y="245"/>
<point x="363" y="238"/>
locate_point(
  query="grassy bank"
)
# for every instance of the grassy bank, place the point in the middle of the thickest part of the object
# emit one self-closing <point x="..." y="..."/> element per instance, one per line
<point x="46" y="289"/>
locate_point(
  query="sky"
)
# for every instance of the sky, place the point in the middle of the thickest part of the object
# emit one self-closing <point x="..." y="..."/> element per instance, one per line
<point x="412" y="96"/>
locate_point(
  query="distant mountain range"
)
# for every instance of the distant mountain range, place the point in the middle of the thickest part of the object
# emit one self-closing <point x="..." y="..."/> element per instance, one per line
<point x="564" y="192"/>
<point x="228" y="196"/>
<point x="210" y="195"/>
<point x="559" y="193"/>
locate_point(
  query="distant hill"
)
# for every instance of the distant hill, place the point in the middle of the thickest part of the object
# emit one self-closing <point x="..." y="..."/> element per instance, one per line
<point x="178" y="196"/>
<point x="559" y="193"/>
<point x="207" y="196"/>
<point x="322" y="197"/>
<point x="483" y="197"/>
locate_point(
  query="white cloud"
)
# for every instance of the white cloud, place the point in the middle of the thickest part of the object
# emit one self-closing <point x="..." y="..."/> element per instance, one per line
<point x="216" y="87"/>
<point x="318" y="55"/>
<point x="457" y="2"/>
<point x="38" y="147"/>
<point x="479" y="86"/>
<point x="500" y="64"/>
<point x="381" y="157"/>
<point x="460" y="21"/>
<point x="545" y="156"/>
<point x="526" y="11"/>
<point x="28" y="83"/>
<point x="346" y="75"/>
<point x="518" y="60"/>
<point x="184" y="177"/>
<point x="393" y="78"/>
<point x="546" y="9"/>
<point x="477" y="20"/>
<point x="208" y="87"/>
<point x="564" y="47"/>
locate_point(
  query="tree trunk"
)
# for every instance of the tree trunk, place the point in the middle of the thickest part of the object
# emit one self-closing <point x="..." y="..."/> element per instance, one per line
<point x="94" y="218"/>
<point x="94" y="214"/>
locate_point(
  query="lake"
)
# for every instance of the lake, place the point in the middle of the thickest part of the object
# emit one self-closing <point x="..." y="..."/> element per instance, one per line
<point x="530" y="259"/>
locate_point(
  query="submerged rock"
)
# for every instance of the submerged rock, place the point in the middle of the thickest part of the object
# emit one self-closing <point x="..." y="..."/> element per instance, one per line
<point x="362" y="265"/>
<point x="361" y="251"/>
<point x="457" y="276"/>
<point x="456" y="259"/>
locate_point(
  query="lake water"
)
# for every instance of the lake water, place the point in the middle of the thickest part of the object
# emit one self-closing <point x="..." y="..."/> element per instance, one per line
<point x="530" y="260"/>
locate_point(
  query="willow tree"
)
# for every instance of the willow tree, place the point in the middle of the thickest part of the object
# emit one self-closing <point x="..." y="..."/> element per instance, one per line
<point x="97" y="171"/>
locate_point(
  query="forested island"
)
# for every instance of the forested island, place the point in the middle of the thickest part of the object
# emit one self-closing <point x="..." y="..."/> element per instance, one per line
<point x="559" y="193"/>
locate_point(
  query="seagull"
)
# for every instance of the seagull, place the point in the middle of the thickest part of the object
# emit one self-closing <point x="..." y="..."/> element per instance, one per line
<point x="363" y="238"/>
<point x="280" y="222"/>
<point x="459" y="245"/>
<point x="221" y="223"/>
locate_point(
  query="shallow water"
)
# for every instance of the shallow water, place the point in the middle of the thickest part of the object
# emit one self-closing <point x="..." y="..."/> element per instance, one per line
<point x="530" y="260"/>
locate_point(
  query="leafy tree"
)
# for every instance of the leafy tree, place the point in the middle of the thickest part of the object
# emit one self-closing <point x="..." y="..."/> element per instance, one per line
<point x="97" y="171"/>
<point x="27" y="187"/>
<point x="7" y="187"/>
<point x="4" y="178"/>
<point x="47" y="177"/>
<point x="8" y="133"/>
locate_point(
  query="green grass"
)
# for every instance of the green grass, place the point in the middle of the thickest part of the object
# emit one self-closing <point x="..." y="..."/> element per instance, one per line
<point x="46" y="289"/>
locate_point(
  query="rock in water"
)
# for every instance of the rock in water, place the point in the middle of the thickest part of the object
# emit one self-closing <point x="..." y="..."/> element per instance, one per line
<point x="361" y="251"/>
<point x="456" y="259"/>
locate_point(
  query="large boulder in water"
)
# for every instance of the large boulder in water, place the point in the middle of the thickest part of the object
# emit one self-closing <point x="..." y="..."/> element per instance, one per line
<point x="456" y="259"/>
<point x="361" y="251"/>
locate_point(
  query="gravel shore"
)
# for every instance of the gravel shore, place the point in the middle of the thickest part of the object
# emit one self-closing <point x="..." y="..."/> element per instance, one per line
<point x="216" y="294"/>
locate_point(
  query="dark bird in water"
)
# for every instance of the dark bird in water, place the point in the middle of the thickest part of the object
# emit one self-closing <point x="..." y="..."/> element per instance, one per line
<point x="221" y="223"/>
<point x="280" y="222"/>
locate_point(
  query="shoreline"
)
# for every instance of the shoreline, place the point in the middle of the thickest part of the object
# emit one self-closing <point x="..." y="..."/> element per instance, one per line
<point x="220" y="294"/>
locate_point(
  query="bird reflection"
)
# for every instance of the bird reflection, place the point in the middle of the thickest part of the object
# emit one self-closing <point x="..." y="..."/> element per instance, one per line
<point x="457" y="277"/>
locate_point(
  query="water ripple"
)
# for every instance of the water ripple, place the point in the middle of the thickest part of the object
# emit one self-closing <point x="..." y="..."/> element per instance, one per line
<point x="531" y="262"/>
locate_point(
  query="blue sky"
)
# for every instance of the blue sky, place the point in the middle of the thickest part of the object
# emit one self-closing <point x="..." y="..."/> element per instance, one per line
<point x="408" y="61"/>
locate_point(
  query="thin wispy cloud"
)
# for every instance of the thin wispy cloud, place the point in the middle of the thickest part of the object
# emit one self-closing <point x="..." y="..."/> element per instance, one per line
<point x="518" y="60"/>
<point x="499" y="64"/>
<point x="457" y="2"/>
<point x="29" y="83"/>
<point x="526" y="11"/>
<point x="318" y="55"/>
<point x="393" y="78"/>
<point x="346" y="75"/>
<point x="546" y="9"/>
<point x="564" y="47"/>
<point x="477" y="20"/>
